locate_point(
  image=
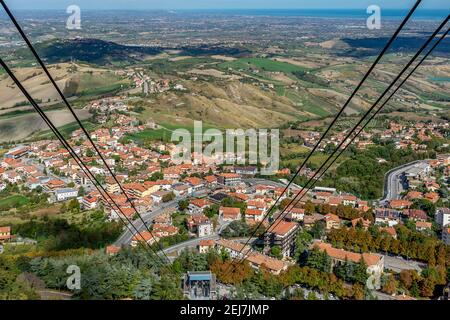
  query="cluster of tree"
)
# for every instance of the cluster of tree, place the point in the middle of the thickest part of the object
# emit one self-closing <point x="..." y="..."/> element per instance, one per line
<point x="310" y="77"/>
<point x="71" y="206"/>
<point x="172" y="240"/>
<point x="58" y="234"/>
<point x="352" y="272"/>
<point x="410" y="244"/>
<point x="252" y="284"/>
<point x="348" y="271"/>
<point x="168" y="197"/>
<point x="415" y="284"/>
<point x="363" y="176"/>
<point x="343" y="212"/>
<point x="12" y="287"/>
<point x="132" y="273"/>
<point x="425" y="205"/>
<point x="233" y="203"/>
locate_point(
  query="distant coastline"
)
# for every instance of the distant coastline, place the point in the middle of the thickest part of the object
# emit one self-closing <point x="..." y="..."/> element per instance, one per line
<point x="422" y="14"/>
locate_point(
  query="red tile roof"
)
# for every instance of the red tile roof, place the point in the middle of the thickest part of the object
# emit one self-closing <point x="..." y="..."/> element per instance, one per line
<point x="340" y="254"/>
<point x="283" y="227"/>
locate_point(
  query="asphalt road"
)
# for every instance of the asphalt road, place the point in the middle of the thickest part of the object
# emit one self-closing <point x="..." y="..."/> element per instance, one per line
<point x="393" y="186"/>
<point x="125" y="238"/>
<point x="398" y="264"/>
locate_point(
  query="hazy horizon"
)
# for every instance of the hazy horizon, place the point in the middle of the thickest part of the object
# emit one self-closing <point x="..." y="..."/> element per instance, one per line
<point x="221" y="4"/>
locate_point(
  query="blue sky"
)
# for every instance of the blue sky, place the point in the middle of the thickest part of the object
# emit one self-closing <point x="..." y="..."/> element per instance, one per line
<point x="223" y="4"/>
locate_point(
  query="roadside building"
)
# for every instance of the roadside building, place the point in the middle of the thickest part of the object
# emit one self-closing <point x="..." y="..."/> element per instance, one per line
<point x="375" y="262"/>
<point x="387" y="216"/>
<point x="206" y="245"/>
<point x="200" y="225"/>
<point x="65" y="194"/>
<point x="143" y="237"/>
<point x="229" y="214"/>
<point x="254" y="215"/>
<point x="229" y="179"/>
<point x="112" y="250"/>
<point x="283" y="235"/>
<point x="196" y="206"/>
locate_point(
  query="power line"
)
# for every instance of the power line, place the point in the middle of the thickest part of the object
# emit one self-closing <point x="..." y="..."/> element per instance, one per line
<point x="41" y="63"/>
<point x="303" y="192"/>
<point x="66" y="145"/>
<point x="381" y="54"/>
<point x="376" y="112"/>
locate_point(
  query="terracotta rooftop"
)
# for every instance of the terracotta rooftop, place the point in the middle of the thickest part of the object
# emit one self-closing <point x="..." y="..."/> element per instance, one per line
<point x="283" y="227"/>
<point x="340" y="254"/>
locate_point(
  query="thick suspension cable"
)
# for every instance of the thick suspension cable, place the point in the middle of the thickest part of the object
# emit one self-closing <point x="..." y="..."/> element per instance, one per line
<point x="66" y="102"/>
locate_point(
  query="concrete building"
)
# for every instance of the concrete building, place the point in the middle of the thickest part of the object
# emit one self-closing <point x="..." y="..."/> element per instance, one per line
<point x="443" y="216"/>
<point x="199" y="285"/>
<point x="446" y="235"/>
<point x="65" y="194"/>
<point x="229" y="179"/>
<point x="282" y="235"/>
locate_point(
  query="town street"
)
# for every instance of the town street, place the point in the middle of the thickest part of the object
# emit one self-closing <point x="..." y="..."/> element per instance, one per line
<point x="125" y="238"/>
<point x="393" y="186"/>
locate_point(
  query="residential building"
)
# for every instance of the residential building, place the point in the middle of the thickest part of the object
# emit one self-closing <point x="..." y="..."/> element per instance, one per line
<point x="283" y="235"/>
<point x="90" y="202"/>
<point x="375" y="262"/>
<point x="254" y="215"/>
<point x="197" y="206"/>
<point x="246" y="171"/>
<point x="365" y="223"/>
<point x="415" y="214"/>
<point x="257" y="260"/>
<point x="443" y="216"/>
<point x="112" y="250"/>
<point x="206" y="245"/>
<point x="295" y="214"/>
<point x="143" y="237"/>
<point x="423" y="226"/>
<point x="332" y="221"/>
<point x="387" y="216"/>
<point x="229" y="214"/>
<point x="310" y="219"/>
<point x="65" y="194"/>
<point x="5" y="234"/>
<point x="200" y="224"/>
<point x="228" y="179"/>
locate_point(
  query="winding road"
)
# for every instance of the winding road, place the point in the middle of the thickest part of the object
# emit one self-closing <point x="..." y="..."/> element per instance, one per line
<point x="392" y="185"/>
